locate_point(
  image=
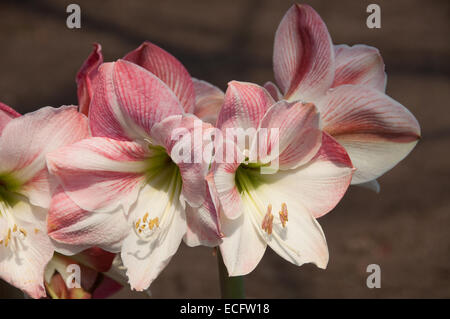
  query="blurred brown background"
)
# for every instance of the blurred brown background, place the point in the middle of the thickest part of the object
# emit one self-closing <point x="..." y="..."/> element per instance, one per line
<point x="404" y="229"/>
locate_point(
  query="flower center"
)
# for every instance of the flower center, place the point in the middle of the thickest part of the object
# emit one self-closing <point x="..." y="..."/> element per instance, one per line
<point x="11" y="234"/>
<point x="248" y="180"/>
<point x="163" y="189"/>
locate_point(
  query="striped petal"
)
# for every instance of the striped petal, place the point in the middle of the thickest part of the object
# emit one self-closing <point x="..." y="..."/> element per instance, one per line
<point x="320" y="184"/>
<point x="208" y="101"/>
<point x="274" y="91"/>
<point x="303" y="56"/>
<point x="203" y="226"/>
<point x="85" y="78"/>
<point x="244" y="106"/>
<point x="359" y="64"/>
<point x="182" y="137"/>
<point x="26" y="140"/>
<point x="100" y="174"/>
<point x="74" y="229"/>
<point x="6" y="115"/>
<point x="166" y="67"/>
<point x="376" y="131"/>
<point x="290" y="133"/>
<point x="224" y="174"/>
<point x="128" y="101"/>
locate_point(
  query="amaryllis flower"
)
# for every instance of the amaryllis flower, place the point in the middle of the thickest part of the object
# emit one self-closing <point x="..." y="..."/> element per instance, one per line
<point x="347" y="86"/>
<point x="278" y="209"/>
<point x="25" y="189"/>
<point x="196" y="96"/>
<point x="130" y="194"/>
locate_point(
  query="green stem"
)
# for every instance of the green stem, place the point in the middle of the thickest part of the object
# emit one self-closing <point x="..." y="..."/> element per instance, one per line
<point x="230" y="287"/>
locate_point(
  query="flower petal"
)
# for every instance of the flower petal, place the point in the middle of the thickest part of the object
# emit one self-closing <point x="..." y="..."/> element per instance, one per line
<point x="320" y="184"/>
<point x="6" y="115"/>
<point x="303" y="56"/>
<point x="376" y="131"/>
<point x="85" y="77"/>
<point x="23" y="266"/>
<point x="373" y="185"/>
<point x="208" y="101"/>
<point x="274" y="91"/>
<point x="244" y="106"/>
<point x="289" y="132"/>
<point x="100" y="174"/>
<point x="301" y="240"/>
<point x="145" y="259"/>
<point x="359" y="64"/>
<point x="203" y="226"/>
<point x="96" y="258"/>
<point x="128" y="101"/>
<point x="166" y="67"/>
<point x="183" y="138"/>
<point x="243" y="246"/>
<point x="223" y="181"/>
<point x="74" y="229"/>
<point x="26" y="141"/>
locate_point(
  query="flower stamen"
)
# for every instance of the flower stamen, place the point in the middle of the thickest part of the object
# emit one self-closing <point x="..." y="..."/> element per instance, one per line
<point x="283" y="214"/>
<point x="147" y="227"/>
<point x="267" y="223"/>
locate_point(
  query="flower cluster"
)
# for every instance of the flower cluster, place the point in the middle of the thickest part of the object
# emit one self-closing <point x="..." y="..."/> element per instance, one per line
<point x="108" y="174"/>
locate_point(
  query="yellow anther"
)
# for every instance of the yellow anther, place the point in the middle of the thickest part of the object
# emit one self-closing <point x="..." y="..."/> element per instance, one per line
<point x="137" y="223"/>
<point x="8" y="237"/>
<point x="153" y="222"/>
<point x="145" y="217"/>
<point x="267" y="223"/>
<point x="23" y="232"/>
<point x="15" y="228"/>
<point x="36" y="230"/>
<point x="283" y="214"/>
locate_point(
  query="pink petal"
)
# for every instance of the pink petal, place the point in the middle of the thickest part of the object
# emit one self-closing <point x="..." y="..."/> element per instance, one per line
<point x="203" y="226"/>
<point x="208" y="101"/>
<point x="289" y="132"/>
<point x="100" y="174"/>
<point x="376" y="131"/>
<point x="107" y="288"/>
<point x="166" y="67"/>
<point x="193" y="167"/>
<point x="85" y="77"/>
<point x="97" y="258"/>
<point x="359" y="64"/>
<point x="274" y="91"/>
<point x="26" y="141"/>
<point x="320" y="184"/>
<point x="128" y="101"/>
<point x="303" y="56"/>
<point x="75" y="229"/>
<point x="6" y="115"/>
<point x="244" y="106"/>
<point x="223" y="182"/>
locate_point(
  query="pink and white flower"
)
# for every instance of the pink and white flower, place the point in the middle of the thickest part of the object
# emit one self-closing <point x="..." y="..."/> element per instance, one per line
<point x="279" y="209"/>
<point x="347" y="86"/>
<point x="25" y="189"/>
<point x="196" y="96"/>
<point x="121" y="189"/>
